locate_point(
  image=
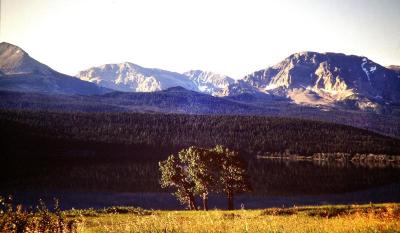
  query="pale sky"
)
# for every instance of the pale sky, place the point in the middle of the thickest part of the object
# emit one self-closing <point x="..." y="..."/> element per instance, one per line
<point x="233" y="37"/>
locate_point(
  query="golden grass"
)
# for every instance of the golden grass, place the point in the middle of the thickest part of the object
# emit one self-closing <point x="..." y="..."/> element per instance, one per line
<point x="378" y="218"/>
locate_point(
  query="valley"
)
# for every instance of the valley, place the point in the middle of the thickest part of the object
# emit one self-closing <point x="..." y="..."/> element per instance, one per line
<point x="128" y="116"/>
<point x="306" y="134"/>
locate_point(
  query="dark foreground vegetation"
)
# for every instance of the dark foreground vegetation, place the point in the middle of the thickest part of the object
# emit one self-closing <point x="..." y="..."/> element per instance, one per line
<point x="16" y="218"/>
<point x="19" y="219"/>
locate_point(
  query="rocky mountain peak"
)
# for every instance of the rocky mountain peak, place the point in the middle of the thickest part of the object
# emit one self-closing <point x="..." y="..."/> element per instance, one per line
<point x="130" y="77"/>
<point x="209" y="82"/>
<point x="22" y="73"/>
<point x="313" y="78"/>
<point x="14" y="60"/>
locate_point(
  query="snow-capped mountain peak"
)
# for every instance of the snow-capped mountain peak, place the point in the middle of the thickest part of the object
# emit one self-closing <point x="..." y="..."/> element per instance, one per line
<point x="130" y="77"/>
<point x="209" y="82"/>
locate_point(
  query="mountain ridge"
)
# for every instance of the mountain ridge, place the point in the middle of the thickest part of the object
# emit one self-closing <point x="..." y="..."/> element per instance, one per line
<point x="327" y="79"/>
<point x="14" y="60"/>
<point x="322" y="80"/>
<point x="20" y="72"/>
<point x="395" y="68"/>
<point x="130" y="77"/>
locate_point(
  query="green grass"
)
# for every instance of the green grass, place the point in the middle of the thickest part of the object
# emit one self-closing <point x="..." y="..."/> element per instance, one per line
<point x="339" y="218"/>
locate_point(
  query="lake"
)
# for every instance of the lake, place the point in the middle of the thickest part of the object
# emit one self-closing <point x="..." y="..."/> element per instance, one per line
<point x="276" y="183"/>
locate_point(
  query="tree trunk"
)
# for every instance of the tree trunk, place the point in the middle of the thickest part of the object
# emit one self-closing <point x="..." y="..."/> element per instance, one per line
<point x="189" y="203"/>
<point x="230" y="201"/>
<point x="192" y="203"/>
<point x="205" y="201"/>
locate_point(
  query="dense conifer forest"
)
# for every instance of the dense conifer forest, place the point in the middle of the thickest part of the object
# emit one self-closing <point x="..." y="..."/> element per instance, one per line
<point x="248" y="134"/>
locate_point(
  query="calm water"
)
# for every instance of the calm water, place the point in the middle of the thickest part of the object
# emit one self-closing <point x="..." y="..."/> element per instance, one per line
<point x="275" y="183"/>
<point x="284" y="177"/>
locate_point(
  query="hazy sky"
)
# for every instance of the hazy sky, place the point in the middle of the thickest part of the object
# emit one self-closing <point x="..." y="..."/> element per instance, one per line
<point x="233" y="37"/>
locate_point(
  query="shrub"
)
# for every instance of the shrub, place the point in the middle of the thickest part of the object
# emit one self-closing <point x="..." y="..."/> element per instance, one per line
<point x="17" y="219"/>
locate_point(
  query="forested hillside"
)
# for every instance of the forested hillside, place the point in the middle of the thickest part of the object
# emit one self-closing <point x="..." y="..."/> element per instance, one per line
<point x="179" y="100"/>
<point x="249" y="134"/>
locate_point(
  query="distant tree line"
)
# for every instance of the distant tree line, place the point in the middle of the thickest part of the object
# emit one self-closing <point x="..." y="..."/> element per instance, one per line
<point x="248" y="134"/>
<point x="199" y="171"/>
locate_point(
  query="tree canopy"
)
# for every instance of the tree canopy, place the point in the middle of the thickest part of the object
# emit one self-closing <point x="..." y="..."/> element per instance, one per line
<point x="199" y="172"/>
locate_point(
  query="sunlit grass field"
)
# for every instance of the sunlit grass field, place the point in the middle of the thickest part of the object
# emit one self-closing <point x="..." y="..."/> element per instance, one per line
<point x="340" y="218"/>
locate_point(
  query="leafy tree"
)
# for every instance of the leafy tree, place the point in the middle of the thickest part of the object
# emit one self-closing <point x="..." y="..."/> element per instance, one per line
<point x="202" y="166"/>
<point x="202" y="171"/>
<point x="174" y="174"/>
<point x="233" y="178"/>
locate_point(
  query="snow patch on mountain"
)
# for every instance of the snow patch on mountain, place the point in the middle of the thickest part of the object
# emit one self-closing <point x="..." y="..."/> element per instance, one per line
<point x="209" y="82"/>
<point x="364" y="62"/>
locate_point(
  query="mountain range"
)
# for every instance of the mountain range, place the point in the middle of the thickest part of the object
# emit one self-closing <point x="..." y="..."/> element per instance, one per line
<point x="320" y="86"/>
<point x="129" y="77"/>
<point x="322" y="80"/>
<point x="307" y="78"/>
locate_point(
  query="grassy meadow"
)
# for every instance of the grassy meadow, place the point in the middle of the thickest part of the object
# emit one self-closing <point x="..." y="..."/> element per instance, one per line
<point x="339" y="218"/>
